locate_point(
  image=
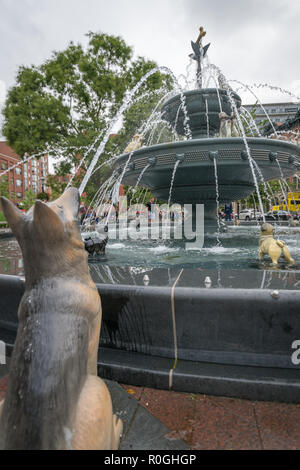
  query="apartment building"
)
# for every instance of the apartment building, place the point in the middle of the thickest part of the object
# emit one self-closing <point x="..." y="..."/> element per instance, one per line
<point x="29" y="175"/>
<point x="278" y="112"/>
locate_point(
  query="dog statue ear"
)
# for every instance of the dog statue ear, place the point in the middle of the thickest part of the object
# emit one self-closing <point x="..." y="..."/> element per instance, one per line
<point x="45" y="218"/>
<point x="13" y="215"/>
<point x="70" y="199"/>
<point x="264" y="227"/>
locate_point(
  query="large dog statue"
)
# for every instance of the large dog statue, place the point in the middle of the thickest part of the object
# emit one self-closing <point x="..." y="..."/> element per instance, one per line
<point x="54" y="399"/>
<point x="271" y="247"/>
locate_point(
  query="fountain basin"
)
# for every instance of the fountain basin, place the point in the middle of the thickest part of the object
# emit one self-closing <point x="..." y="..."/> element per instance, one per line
<point x="230" y="342"/>
<point x="234" y="338"/>
<point x="201" y="105"/>
<point x="195" y="179"/>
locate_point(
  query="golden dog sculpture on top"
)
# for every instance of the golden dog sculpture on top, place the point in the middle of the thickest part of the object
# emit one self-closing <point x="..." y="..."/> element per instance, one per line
<point x="271" y="247"/>
<point x="54" y="399"/>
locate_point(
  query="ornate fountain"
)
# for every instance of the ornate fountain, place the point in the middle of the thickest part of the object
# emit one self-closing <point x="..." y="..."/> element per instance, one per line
<point x="186" y="323"/>
<point x="197" y="114"/>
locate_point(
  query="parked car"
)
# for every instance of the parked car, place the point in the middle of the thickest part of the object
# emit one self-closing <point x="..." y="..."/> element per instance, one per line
<point x="273" y="216"/>
<point x="279" y="215"/>
<point x="249" y="214"/>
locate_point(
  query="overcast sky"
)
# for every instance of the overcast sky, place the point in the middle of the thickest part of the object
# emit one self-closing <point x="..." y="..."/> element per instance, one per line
<point x="255" y="41"/>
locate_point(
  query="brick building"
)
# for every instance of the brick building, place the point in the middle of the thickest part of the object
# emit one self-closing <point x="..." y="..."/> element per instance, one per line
<point x="30" y="175"/>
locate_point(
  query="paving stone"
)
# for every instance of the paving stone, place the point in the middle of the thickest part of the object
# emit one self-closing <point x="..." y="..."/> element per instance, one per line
<point x="124" y="405"/>
<point x="278" y="425"/>
<point x="148" y="433"/>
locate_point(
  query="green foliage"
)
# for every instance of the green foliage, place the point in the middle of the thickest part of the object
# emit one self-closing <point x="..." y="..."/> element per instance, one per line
<point x="29" y="199"/>
<point x="249" y="128"/>
<point x="62" y="106"/>
<point x="4" y="185"/>
<point x="42" y="196"/>
<point x="139" y="196"/>
<point x="272" y="197"/>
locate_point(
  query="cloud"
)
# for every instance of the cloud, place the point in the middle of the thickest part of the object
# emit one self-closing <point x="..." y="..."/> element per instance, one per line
<point x="2" y="91"/>
<point x="251" y="40"/>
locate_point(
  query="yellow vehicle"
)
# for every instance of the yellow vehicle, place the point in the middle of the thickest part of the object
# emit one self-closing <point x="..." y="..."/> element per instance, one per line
<point x="293" y="203"/>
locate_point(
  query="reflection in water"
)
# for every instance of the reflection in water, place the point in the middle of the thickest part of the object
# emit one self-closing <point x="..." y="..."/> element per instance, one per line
<point x="235" y="264"/>
<point x="195" y="278"/>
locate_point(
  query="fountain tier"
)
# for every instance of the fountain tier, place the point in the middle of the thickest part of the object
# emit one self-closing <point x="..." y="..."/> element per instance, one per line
<point x="195" y="179"/>
<point x="201" y="105"/>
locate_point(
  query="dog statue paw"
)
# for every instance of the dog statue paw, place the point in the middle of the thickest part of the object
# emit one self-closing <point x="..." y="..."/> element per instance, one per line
<point x="273" y="248"/>
<point x="54" y="398"/>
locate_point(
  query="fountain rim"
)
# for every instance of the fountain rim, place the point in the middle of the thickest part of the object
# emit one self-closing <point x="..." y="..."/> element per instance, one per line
<point x="212" y="142"/>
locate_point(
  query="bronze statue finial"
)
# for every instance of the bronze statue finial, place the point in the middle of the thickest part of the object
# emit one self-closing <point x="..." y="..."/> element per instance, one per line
<point x="201" y="35"/>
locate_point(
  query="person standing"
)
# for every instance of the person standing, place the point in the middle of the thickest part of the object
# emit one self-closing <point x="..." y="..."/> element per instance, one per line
<point x="151" y="213"/>
<point x="228" y="211"/>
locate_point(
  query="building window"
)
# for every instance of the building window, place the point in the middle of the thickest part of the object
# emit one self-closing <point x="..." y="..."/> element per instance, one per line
<point x="19" y="195"/>
<point x="19" y="183"/>
<point x="18" y="171"/>
<point x="3" y="166"/>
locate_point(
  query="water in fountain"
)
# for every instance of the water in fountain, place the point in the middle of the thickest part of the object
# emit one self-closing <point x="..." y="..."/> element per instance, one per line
<point x="248" y="152"/>
<point x="207" y="118"/>
<point x="172" y="181"/>
<point x="263" y="181"/>
<point x="258" y="101"/>
<point x="124" y="107"/>
<point x="284" y="195"/>
<point x="252" y="121"/>
<point x="139" y="180"/>
<point x="217" y="201"/>
<point x="153" y="129"/>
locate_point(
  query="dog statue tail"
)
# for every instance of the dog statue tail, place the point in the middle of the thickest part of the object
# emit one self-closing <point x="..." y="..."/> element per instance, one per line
<point x="286" y="252"/>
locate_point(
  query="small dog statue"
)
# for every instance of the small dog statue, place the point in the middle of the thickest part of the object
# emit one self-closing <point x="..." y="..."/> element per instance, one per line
<point x="95" y="246"/>
<point x="225" y="125"/>
<point x="54" y="399"/>
<point x="135" y="144"/>
<point x="271" y="247"/>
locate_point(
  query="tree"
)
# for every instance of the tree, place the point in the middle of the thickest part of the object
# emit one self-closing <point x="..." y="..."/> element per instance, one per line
<point x="4" y="187"/>
<point x="42" y="196"/>
<point x="62" y="106"/>
<point x="253" y="128"/>
<point x="29" y="199"/>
